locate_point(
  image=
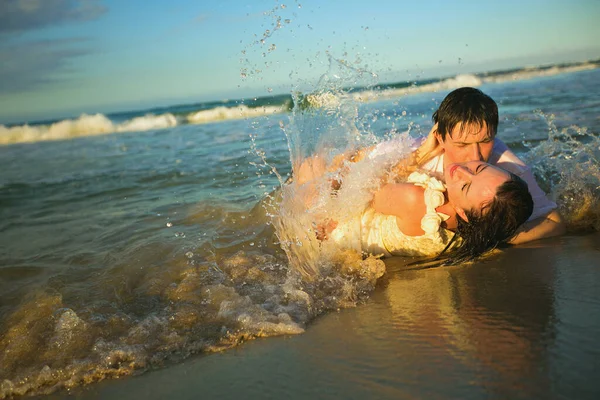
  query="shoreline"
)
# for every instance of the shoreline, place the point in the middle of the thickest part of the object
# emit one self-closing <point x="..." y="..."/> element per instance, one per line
<point x="521" y="324"/>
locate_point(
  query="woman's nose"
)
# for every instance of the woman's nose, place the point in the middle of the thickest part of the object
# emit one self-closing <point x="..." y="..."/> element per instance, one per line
<point x="464" y="172"/>
<point x="476" y="153"/>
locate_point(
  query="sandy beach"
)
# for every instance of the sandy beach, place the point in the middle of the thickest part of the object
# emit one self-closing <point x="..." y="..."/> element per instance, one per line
<point x="523" y="324"/>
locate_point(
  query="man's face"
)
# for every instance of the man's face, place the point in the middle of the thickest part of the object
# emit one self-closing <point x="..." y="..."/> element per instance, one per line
<point x="467" y="143"/>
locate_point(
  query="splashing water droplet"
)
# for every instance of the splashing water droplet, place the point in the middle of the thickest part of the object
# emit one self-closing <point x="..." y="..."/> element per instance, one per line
<point x="169" y="224"/>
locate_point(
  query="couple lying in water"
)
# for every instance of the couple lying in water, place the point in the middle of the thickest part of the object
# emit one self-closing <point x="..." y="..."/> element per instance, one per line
<point x="462" y="192"/>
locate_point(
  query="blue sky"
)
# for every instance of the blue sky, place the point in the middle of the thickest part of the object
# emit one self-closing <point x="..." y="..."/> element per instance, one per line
<point x="60" y="58"/>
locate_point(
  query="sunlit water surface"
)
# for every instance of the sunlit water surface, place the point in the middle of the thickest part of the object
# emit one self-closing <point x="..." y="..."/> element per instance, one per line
<point x="128" y="252"/>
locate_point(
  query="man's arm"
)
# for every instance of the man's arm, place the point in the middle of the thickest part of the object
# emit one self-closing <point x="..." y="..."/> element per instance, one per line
<point x="427" y="150"/>
<point x="546" y="226"/>
<point x="545" y="221"/>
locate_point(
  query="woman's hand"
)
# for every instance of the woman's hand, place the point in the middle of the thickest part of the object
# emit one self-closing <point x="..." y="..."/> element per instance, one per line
<point x="311" y="169"/>
<point x="324" y="229"/>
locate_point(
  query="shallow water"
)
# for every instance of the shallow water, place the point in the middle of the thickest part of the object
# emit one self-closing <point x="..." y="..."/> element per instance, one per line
<point x="522" y="325"/>
<point x="124" y="253"/>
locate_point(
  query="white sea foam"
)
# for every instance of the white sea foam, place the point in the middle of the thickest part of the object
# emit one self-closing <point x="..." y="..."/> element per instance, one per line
<point x="85" y="125"/>
<point x="147" y="122"/>
<point x="227" y="113"/>
<point x="471" y="80"/>
<point x="536" y="72"/>
<point x="98" y="124"/>
<point x="447" y="84"/>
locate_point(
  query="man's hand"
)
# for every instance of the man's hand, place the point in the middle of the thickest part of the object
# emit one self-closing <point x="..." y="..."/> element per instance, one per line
<point x="429" y="148"/>
<point x="426" y="151"/>
<point x="544" y="227"/>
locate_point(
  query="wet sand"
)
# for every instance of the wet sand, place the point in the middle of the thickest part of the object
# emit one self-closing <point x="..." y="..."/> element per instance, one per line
<point x="524" y="324"/>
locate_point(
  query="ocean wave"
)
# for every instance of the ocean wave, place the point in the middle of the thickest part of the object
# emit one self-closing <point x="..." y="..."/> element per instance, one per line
<point x="85" y="125"/>
<point x="445" y="84"/>
<point x="147" y="122"/>
<point x="529" y="73"/>
<point x="98" y="124"/>
<point x="472" y="80"/>
<point x="227" y="113"/>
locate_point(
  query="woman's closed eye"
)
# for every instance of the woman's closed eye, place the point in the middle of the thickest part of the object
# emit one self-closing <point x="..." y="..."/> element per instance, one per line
<point x="480" y="168"/>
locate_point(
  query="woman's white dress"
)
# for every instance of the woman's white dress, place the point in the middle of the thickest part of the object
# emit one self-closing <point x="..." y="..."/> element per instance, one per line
<point x="378" y="234"/>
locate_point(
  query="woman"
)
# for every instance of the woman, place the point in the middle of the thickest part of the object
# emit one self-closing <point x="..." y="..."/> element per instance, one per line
<point x="481" y="205"/>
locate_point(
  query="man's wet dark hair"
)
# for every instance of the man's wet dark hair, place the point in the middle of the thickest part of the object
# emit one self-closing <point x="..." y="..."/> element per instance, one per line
<point x="468" y="106"/>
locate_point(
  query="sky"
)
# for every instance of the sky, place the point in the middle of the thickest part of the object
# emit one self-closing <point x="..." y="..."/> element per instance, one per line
<point x="61" y="58"/>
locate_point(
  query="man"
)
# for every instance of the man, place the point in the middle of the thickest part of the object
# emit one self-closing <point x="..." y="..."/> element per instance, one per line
<point x="465" y="130"/>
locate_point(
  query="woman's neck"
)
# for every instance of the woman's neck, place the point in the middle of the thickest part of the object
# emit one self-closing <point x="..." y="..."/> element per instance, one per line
<point x="451" y="223"/>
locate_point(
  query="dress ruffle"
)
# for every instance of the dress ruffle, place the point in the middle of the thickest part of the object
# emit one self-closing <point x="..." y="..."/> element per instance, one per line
<point x="434" y="198"/>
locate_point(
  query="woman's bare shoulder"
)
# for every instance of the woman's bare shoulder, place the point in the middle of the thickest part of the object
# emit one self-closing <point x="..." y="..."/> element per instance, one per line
<point x="403" y="200"/>
<point x="406" y="202"/>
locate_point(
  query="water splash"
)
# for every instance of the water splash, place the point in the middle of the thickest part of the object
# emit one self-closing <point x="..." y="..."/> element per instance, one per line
<point x="325" y="125"/>
<point x="567" y="165"/>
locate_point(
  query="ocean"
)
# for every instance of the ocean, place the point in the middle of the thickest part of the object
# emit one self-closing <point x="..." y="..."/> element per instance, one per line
<point x="136" y="242"/>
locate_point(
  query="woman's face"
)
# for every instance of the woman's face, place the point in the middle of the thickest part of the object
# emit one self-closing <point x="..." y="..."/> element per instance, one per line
<point x="472" y="184"/>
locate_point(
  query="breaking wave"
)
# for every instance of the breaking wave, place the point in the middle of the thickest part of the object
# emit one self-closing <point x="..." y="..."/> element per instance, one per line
<point x="472" y="80"/>
<point x="98" y="124"/>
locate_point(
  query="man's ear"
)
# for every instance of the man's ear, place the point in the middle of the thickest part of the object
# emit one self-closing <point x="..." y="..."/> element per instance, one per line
<point x="461" y="213"/>
<point x="438" y="137"/>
